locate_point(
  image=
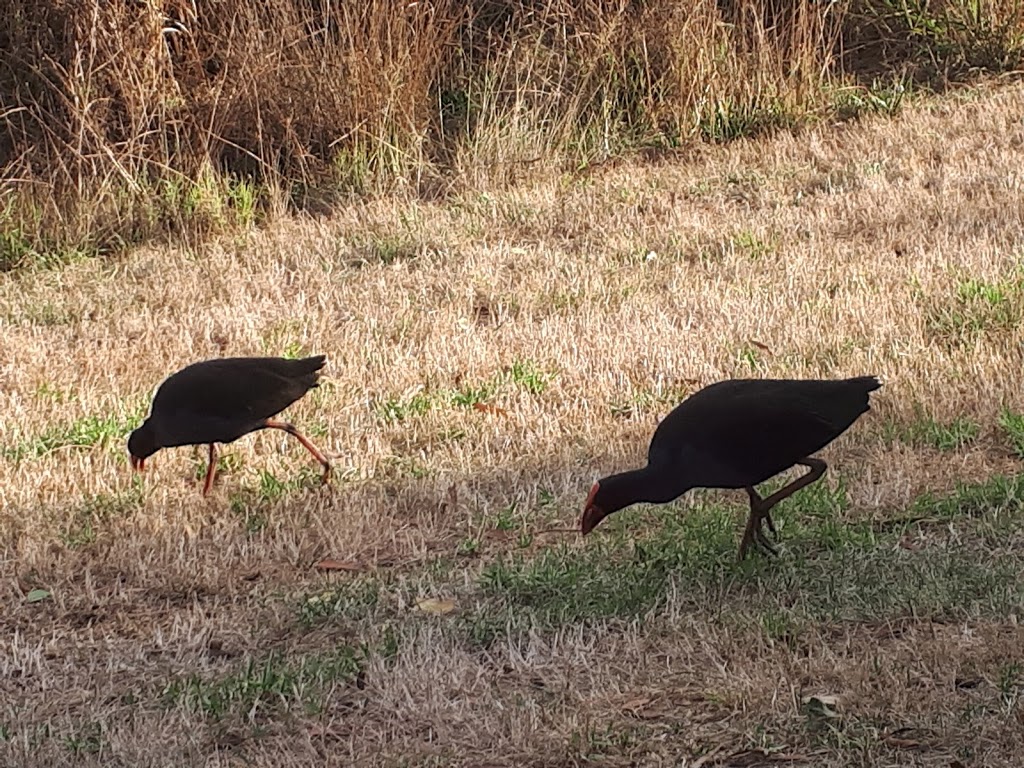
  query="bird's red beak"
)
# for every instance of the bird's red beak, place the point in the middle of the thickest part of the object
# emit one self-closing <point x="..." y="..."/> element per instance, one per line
<point x="137" y="464"/>
<point x="592" y="514"/>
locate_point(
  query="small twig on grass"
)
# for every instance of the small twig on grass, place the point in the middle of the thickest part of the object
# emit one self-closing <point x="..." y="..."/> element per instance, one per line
<point x="556" y="530"/>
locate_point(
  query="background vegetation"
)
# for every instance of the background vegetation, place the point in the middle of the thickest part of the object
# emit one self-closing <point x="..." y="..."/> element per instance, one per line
<point x="124" y="120"/>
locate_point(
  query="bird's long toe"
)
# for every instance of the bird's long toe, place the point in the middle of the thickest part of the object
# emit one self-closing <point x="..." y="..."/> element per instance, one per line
<point x="762" y="540"/>
<point x="749" y="535"/>
<point x="744" y="547"/>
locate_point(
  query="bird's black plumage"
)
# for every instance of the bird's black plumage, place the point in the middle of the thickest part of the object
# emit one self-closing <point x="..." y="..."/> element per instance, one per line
<point x="737" y="434"/>
<point x="219" y="401"/>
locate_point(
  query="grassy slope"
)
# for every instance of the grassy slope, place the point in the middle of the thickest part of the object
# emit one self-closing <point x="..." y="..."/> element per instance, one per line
<point x="181" y="631"/>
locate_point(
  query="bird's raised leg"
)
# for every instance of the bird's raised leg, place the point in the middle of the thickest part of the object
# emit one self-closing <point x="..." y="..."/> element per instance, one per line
<point x="760" y="509"/>
<point x="210" y="470"/>
<point x="291" y="430"/>
<point x="817" y="468"/>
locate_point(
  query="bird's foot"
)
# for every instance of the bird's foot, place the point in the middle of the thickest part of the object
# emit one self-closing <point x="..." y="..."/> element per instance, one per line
<point x="755" y="535"/>
<point x="762" y="540"/>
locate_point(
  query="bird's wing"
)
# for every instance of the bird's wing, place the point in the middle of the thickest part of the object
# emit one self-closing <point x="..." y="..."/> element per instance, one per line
<point x="751" y="431"/>
<point x="256" y="393"/>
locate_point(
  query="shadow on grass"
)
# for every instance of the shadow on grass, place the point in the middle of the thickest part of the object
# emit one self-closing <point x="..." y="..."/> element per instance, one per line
<point x="947" y="558"/>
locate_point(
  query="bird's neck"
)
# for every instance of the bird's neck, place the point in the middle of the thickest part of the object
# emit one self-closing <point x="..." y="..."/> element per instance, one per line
<point x="650" y="484"/>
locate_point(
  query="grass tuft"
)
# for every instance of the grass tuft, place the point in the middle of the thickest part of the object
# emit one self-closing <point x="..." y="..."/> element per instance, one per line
<point x="924" y="430"/>
<point x="86" y="432"/>
<point x="265" y="686"/>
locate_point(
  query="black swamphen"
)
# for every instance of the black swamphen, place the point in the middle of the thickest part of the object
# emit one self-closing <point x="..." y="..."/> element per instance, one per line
<point x="219" y="401"/>
<point x="736" y="434"/>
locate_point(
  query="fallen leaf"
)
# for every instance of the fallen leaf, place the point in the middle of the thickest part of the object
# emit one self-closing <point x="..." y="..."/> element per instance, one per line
<point x="762" y="347"/>
<point x="36" y="595"/>
<point x="433" y="605"/>
<point x="330" y="564"/>
<point x="822" y="704"/>
<point x="488" y="408"/>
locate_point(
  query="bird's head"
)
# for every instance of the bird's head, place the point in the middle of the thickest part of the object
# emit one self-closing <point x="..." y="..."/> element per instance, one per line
<point x="610" y="494"/>
<point x="594" y="511"/>
<point x="141" y="445"/>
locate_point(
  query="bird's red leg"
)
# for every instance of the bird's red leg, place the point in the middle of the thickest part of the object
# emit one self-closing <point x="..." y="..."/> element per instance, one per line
<point x="291" y="430"/>
<point x="817" y="467"/>
<point x="211" y="470"/>
<point x="760" y="508"/>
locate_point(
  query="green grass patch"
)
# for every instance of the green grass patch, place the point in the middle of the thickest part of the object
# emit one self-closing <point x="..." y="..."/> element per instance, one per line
<point x="828" y="571"/>
<point x="211" y="200"/>
<point x="353" y="600"/>
<point x="1001" y="498"/>
<point x="86" y="432"/>
<point x="730" y="119"/>
<point x="975" y="309"/>
<point x="881" y="97"/>
<point x="388" y="248"/>
<point x="86" y="520"/>
<point x="1012" y="423"/>
<point x="251" y="504"/>
<point x="963" y="564"/>
<point x="640" y="402"/>
<point x="87" y="740"/>
<point x="392" y="409"/>
<point x="265" y="687"/>
<point x="227" y="463"/>
<point x="750" y="245"/>
<point x="524" y="375"/>
<point x="926" y="431"/>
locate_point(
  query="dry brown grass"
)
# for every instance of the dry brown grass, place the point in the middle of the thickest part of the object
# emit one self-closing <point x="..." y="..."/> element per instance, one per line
<point x="842" y="250"/>
<point x="121" y="122"/>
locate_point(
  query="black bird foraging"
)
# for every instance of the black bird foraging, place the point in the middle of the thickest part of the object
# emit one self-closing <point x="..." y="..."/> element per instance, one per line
<point x="219" y="401"/>
<point x="737" y="434"/>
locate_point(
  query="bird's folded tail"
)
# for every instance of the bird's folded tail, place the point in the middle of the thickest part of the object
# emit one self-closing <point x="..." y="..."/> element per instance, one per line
<point x="866" y="383"/>
<point x="307" y="369"/>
